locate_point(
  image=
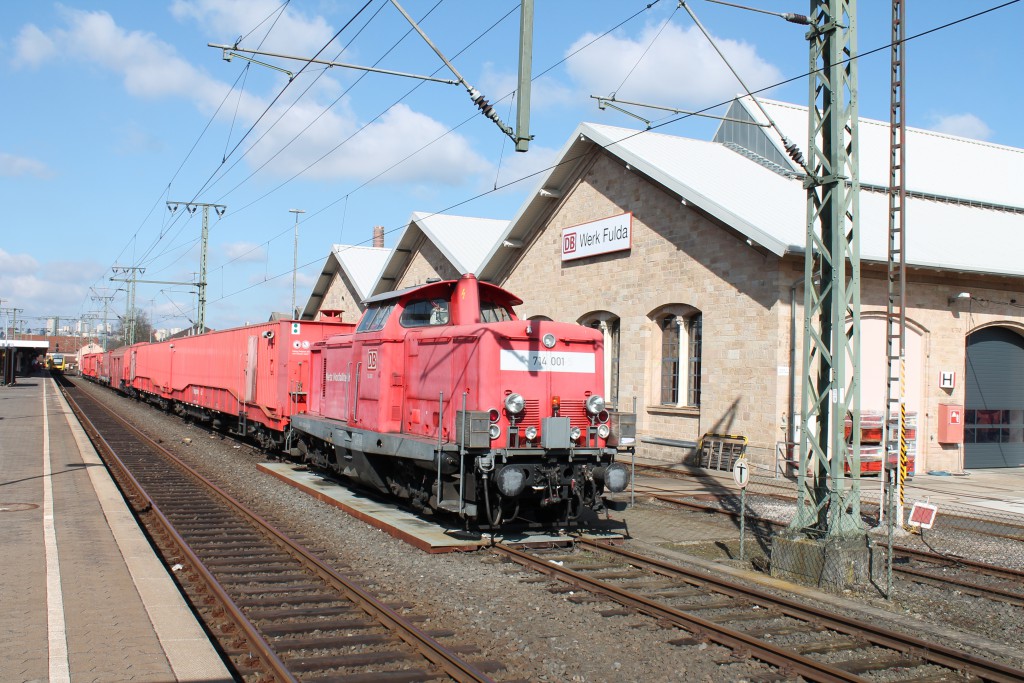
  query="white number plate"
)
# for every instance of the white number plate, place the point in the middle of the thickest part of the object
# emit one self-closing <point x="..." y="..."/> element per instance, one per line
<point x="547" y="361"/>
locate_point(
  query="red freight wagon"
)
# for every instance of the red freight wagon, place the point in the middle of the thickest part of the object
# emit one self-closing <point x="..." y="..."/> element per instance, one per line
<point x="90" y="361"/>
<point x="115" y="367"/>
<point x="250" y="380"/>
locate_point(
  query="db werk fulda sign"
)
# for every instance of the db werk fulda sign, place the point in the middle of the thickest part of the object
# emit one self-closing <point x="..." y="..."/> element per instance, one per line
<point x="603" y="236"/>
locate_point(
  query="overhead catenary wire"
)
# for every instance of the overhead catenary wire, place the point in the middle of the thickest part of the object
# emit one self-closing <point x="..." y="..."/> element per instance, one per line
<point x="195" y="241"/>
<point x="237" y="211"/>
<point x="348" y="194"/>
<point x="164" y="193"/>
<point x="573" y="160"/>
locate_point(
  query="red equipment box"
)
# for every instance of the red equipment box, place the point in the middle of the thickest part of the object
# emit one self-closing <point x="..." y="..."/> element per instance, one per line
<point x="951" y="423"/>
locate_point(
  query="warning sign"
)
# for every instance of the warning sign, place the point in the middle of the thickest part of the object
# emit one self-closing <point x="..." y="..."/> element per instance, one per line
<point x="923" y="515"/>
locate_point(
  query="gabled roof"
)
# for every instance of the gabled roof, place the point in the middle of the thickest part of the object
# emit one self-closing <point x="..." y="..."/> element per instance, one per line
<point x="770" y="209"/>
<point x="937" y="164"/>
<point x="361" y="265"/>
<point x="463" y="240"/>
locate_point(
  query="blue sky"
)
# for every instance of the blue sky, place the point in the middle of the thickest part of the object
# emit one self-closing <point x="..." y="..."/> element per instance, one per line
<point x="114" y="108"/>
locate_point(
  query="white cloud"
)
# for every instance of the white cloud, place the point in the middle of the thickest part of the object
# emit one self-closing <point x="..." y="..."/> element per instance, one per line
<point x="402" y="137"/>
<point x="681" y="69"/>
<point x="293" y="32"/>
<point x="44" y="288"/>
<point x="152" y="68"/>
<point x="13" y="166"/>
<point x="17" y="264"/>
<point x="245" y="252"/>
<point x="962" y="125"/>
<point x="32" y="47"/>
<point x="545" y="92"/>
<point x="531" y="167"/>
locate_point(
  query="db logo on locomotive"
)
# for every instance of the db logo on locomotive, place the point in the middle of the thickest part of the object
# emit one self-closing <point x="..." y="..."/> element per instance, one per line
<point x="371" y="359"/>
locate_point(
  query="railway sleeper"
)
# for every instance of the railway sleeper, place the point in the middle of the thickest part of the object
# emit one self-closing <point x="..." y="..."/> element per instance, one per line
<point x="882" y="662"/>
<point x="345" y="661"/>
<point x="281" y="629"/>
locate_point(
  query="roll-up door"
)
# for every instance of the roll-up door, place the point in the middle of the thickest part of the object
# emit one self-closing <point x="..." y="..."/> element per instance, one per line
<point x="994" y="410"/>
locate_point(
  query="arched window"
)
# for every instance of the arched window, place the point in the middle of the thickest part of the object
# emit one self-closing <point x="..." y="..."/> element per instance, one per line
<point x="608" y="324"/>
<point x="681" y="340"/>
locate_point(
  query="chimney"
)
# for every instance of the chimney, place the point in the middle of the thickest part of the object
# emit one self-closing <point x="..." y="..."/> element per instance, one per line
<point x="378" y="236"/>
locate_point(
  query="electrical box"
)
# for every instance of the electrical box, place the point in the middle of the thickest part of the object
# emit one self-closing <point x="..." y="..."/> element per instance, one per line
<point x="951" y="423"/>
<point x="555" y="432"/>
<point x="471" y="428"/>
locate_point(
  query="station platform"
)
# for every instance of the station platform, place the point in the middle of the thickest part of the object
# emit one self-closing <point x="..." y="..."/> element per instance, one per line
<point x="84" y="596"/>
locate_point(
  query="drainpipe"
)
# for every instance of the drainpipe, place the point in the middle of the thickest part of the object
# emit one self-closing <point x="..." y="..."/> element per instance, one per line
<point x="792" y="433"/>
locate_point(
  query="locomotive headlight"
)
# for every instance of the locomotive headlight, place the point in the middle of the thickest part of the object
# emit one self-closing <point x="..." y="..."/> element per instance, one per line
<point x="494" y="431"/>
<point x="595" y="404"/>
<point x="574" y="434"/>
<point x="603" y="431"/>
<point x="548" y="340"/>
<point x="514" y="404"/>
<point x="531" y="433"/>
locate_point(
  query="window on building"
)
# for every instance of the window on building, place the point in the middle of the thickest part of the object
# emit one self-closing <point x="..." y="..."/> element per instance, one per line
<point x="681" y="341"/>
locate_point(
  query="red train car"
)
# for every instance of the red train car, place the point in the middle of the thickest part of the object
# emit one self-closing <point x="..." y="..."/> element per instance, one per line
<point x="444" y="397"/>
<point x="115" y="368"/>
<point x="249" y="380"/>
<point x="88" y="366"/>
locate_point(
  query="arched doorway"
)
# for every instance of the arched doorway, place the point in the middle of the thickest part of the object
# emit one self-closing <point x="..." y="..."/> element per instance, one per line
<point x="994" y="410"/>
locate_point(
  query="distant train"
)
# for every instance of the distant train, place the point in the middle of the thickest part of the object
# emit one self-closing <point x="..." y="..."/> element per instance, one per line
<point x="55" y="362"/>
<point x="440" y="396"/>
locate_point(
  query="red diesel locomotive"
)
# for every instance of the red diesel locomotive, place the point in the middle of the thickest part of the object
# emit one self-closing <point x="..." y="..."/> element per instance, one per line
<point x="444" y="398"/>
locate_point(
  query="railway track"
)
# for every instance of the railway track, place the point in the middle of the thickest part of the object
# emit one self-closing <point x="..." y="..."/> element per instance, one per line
<point x="988" y="581"/>
<point x="276" y="610"/>
<point x="789" y="639"/>
<point x="984" y="580"/>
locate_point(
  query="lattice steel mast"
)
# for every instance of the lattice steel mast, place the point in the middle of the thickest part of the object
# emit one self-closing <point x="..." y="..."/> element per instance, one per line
<point x="896" y="321"/>
<point x="829" y="501"/>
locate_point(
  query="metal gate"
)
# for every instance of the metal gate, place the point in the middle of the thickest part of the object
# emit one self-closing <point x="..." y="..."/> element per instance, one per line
<point x="994" y="410"/>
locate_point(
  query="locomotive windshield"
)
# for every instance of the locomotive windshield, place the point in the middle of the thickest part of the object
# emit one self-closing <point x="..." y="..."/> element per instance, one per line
<point x="375" y="317"/>
<point x="425" y="313"/>
<point x="491" y="312"/>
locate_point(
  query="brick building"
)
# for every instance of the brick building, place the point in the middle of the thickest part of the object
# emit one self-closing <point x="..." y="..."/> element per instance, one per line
<point x="689" y="256"/>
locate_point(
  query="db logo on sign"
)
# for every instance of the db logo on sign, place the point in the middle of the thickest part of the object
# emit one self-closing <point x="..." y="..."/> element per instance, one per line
<point x="371" y="359"/>
<point x="569" y="243"/>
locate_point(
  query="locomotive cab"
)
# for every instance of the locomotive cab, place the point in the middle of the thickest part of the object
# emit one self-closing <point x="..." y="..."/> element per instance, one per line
<point x="444" y="397"/>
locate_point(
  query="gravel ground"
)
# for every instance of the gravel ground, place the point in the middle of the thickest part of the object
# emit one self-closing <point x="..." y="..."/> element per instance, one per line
<point x="537" y="629"/>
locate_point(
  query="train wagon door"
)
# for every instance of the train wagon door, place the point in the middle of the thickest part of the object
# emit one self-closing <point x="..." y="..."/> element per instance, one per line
<point x="131" y="367"/>
<point x="250" y="369"/>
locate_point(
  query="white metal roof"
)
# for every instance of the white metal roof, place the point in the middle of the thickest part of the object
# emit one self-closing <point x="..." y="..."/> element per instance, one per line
<point x="770" y="209"/>
<point x="464" y="240"/>
<point x="936" y="163"/>
<point x="362" y="265"/>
